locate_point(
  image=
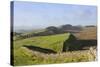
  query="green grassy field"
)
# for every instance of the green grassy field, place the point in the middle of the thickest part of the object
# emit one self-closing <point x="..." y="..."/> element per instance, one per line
<point x="25" y="56"/>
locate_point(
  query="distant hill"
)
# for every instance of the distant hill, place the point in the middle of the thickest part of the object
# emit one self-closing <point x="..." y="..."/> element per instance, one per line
<point x="52" y="30"/>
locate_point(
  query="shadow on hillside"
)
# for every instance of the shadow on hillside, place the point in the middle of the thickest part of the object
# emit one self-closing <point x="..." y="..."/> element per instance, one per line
<point x="87" y="43"/>
<point x="73" y="44"/>
<point x="39" y="49"/>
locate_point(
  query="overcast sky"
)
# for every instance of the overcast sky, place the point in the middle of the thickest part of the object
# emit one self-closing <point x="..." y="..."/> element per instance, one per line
<point x="40" y="15"/>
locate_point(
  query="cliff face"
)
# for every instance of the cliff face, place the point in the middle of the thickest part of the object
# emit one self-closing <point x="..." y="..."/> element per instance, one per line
<point x="68" y="43"/>
<point x="79" y="41"/>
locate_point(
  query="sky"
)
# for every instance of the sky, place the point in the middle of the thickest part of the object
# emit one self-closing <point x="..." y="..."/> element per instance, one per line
<point x="41" y="15"/>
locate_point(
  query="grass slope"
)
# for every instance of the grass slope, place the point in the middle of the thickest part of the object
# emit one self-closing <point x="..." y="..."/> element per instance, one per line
<point x="24" y="56"/>
<point x="53" y="42"/>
